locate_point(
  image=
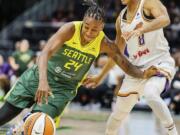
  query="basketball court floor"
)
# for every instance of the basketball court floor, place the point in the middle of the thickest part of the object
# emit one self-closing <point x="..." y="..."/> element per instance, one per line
<point x="83" y="121"/>
<point x="138" y="123"/>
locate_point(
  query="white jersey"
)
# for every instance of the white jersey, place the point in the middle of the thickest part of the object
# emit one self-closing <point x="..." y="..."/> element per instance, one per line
<point x="149" y="49"/>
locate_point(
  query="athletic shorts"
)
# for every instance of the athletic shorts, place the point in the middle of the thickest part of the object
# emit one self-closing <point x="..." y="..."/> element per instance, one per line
<point x="133" y="85"/>
<point x="22" y="94"/>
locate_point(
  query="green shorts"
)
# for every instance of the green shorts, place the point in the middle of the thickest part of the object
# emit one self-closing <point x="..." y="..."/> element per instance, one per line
<point x="23" y="92"/>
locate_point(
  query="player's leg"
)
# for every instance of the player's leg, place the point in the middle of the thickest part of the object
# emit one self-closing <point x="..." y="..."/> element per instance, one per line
<point x="18" y="98"/>
<point x="8" y="112"/>
<point x="123" y="105"/>
<point x="122" y="108"/>
<point x="152" y="91"/>
<point x="57" y="121"/>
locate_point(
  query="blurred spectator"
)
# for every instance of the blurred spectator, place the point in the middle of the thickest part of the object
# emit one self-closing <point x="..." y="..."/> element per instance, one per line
<point x="5" y="75"/>
<point x="173" y="30"/>
<point x="175" y="86"/>
<point x="17" y="45"/>
<point x="42" y="44"/>
<point x="21" y="58"/>
<point x="173" y="10"/>
<point x="100" y="95"/>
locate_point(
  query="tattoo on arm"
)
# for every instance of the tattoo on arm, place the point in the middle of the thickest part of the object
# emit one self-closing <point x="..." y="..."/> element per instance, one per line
<point x="127" y="67"/>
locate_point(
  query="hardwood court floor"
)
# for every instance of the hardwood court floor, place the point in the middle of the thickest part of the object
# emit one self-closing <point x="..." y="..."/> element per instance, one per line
<point x="93" y="123"/>
<point x="80" y="121"/>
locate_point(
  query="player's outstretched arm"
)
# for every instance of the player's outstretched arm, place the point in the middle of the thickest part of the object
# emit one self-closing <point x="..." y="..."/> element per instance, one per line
<point x="53" y="44"/>
<point x="94" y="81"/>
<point x="112" y="50"/>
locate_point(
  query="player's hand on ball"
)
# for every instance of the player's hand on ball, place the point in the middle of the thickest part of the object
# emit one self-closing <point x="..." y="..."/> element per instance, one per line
<point x="91" y="81"/>
<point x="42" y="93"/>
<point x="151" y="71"/>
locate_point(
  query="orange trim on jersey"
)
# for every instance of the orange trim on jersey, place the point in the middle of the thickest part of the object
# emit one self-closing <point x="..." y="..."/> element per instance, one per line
<point x="126" y="94"/>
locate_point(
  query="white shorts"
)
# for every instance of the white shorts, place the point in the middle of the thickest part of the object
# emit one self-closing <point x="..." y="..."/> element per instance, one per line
<point x="136" y="86"/>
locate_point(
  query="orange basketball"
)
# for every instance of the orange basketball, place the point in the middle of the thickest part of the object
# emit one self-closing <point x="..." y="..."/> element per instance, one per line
<point x="39" y="124"/>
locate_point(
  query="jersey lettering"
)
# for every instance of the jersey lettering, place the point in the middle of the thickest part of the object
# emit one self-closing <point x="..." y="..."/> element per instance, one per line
<point x="72" y="64"/>
<point x="141" y="40"/>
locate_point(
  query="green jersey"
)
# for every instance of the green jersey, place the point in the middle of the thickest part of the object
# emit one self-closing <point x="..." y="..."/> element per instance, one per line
<point x="71" y="62"/>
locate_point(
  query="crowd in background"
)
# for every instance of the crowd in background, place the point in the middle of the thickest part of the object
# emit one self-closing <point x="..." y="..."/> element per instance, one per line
<point x="12" y="66"/>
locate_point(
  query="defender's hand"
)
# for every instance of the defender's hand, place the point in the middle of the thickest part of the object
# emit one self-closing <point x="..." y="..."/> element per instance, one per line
<point x="134" y="33"/>
<point x="126" y="36"/>
<point x="138" y="31"/>
<point x="42" y="92"/>
<point x="151" y="71"/>
<point x="91" y="81"/>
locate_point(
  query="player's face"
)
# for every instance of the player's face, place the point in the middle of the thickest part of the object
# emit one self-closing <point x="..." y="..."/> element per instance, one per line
<point x="91" y="28"/>
<point x="125" y="2"/>
<point x="24" y="46"/>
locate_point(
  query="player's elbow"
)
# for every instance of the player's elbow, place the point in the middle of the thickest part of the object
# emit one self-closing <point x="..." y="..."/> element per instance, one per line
<point x="167" y="21"/>
<point x="165" y="17"/>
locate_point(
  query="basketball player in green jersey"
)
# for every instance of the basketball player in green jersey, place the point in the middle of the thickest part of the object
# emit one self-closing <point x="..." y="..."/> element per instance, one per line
<point x="62" y="66"/>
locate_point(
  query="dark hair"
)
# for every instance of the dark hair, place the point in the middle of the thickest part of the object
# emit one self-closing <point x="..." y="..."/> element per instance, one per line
<point x="94" y="10"/>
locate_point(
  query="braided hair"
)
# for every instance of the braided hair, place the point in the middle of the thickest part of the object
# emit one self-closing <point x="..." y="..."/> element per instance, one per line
<point x="94" y="10"/>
